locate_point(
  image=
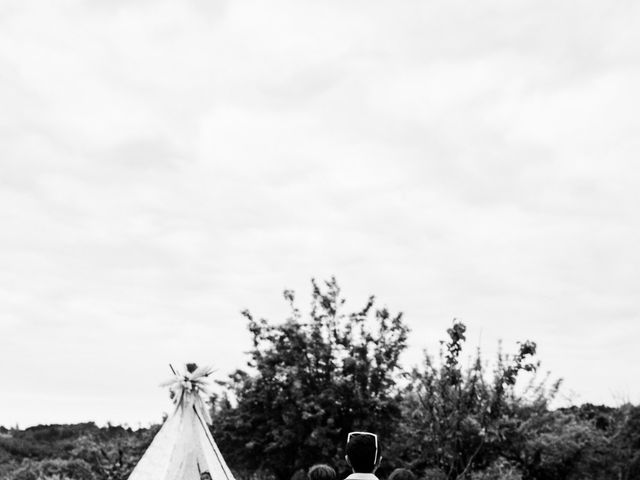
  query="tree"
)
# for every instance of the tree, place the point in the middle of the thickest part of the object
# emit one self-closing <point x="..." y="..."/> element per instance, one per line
<point x="311" y="381"/>
<point x="457" y="420"/>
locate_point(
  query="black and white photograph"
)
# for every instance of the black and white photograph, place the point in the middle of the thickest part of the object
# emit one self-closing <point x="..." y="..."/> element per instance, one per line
<point x="319" y="240"/>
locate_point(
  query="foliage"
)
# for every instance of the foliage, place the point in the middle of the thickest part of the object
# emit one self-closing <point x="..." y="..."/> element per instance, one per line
<point x="458" y="420"/>
<point x="312" y="381"/>
<point x="498" y="470"/>
<point x="71" y="452"/>
<point x="53" y="469"/>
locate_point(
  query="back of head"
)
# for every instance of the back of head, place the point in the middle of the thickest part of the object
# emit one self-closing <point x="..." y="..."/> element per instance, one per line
<point x="363" y="451"/>
<point x="322" y="471"/>
<point x="402" y="474"/>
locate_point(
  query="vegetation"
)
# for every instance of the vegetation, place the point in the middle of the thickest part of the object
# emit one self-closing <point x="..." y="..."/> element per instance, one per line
<point x="311" y="379"/>
<point x="314" y="381"/>
<point x="71" y="452"/>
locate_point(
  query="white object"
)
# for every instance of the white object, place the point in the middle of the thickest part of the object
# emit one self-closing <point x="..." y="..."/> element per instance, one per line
<point x="184" y="449"/>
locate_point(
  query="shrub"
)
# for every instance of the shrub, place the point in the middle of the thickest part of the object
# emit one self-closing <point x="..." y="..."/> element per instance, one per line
<point x="55" y="469"/>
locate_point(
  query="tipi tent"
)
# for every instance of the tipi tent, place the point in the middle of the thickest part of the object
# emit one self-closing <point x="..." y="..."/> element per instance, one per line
<point x="184" y="449"/>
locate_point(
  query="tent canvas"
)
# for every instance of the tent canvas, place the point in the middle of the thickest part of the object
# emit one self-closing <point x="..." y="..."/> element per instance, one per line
<point x="184" y="449"/>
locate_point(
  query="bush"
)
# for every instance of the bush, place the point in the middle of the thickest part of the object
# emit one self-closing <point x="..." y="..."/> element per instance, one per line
<point x="55" y="469"/>
<point x="498" y="470"/>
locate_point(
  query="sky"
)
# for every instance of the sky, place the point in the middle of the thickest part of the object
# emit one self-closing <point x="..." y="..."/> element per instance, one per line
<point x="164" y="165"/>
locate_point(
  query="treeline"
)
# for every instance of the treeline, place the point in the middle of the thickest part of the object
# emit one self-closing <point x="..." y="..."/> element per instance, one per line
<point x="71" y="452"/>
<point x="311" y="379"/>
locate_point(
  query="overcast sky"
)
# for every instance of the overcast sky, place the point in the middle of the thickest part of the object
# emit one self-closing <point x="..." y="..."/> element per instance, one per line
<point x="165" y="164"/>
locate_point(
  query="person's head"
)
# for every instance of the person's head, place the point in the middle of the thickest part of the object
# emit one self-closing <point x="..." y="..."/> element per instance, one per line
<point x="205" y="476"/>
<point x="402" y="474"/>
<point x="322" y="471"/>
<point x="363" y="452"/>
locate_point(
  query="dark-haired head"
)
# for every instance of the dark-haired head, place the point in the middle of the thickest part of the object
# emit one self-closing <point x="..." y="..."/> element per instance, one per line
<point x="402" y="474"/>
<point x="363" y="452"/>
<point x="322" y="471"/>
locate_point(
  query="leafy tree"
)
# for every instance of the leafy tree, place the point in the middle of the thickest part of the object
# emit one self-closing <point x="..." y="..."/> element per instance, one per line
<point x="588" y="442"/>
<point x="459" y="419"/>
<point x="311" y="381"/>
<point x="558" y="446"/>
<point x="624" y="425"/>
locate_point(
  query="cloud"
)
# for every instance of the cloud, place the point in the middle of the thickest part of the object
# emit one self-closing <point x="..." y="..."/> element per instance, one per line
<point x="165" y="165"/>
